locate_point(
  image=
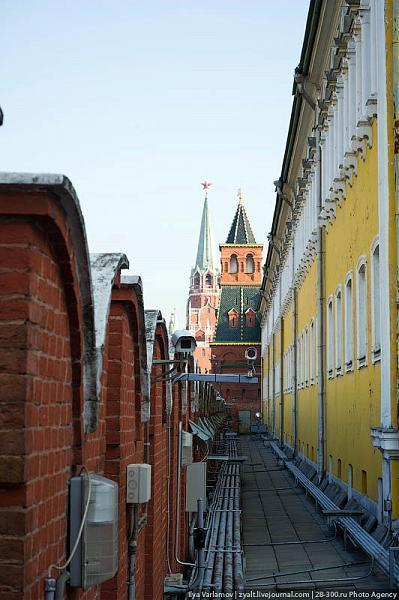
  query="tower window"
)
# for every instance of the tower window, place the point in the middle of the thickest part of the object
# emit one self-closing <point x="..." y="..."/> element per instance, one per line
<point x="197" y="281"/>
<point x="208" y="280"/>
<point x="233" y="264"/>
<point x="249" y="264"/>
<point x="233" y="318"/>
<point x="250" y="318"/>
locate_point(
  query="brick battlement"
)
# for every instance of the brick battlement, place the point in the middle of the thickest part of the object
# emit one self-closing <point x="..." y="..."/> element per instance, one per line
<point x="75" y="390"/>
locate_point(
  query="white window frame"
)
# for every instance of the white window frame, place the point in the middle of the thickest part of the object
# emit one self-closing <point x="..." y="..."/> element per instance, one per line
<point x="375" y="302"/>
<point x="312" y="353"/>
<point x="306" y="356"/>
<point x="348" y="325"/>
<point x="298" y="362"/>
<point x="338" y="331"/>
<point x="361" y="357"/>
<point x="330" y="337"/>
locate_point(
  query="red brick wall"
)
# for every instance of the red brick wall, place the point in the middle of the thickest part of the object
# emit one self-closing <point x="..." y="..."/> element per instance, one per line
<point x="155" y="542"/>
<point x="124" y="430"/>
<point x="242" y="397"/>
<point x="42" y="442"/>
<point x="37" y="358"/>
<point x="241" y="253"/>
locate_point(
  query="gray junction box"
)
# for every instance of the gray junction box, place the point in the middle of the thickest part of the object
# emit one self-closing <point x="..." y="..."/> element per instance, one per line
<point x="195" y="485"/>
<point x="96" y="557"/>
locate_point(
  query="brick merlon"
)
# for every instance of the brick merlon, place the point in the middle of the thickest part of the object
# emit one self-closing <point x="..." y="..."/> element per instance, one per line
<point x="104" y="270"/>
<point x="154" y="319"/>
<point x="62" y="190"/>
<point x="134" y="282"/>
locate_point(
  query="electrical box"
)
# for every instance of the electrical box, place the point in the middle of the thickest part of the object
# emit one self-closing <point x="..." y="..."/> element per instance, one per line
<point x="96" y="557"/>
<point x="187" y="448"/>
<point x="138" y="483"/>
<point x="195" y="485"/>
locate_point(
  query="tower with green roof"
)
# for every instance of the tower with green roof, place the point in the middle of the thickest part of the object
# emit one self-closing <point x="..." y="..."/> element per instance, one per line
<point x="203" y="297"/>
<point x="238" y="325"/>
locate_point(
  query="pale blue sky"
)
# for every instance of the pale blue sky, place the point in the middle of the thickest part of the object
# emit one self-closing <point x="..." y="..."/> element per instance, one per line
<point x="139" y="101"/>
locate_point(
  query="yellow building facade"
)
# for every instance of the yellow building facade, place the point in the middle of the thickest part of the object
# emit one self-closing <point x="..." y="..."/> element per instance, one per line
<point x="329" y="292"/>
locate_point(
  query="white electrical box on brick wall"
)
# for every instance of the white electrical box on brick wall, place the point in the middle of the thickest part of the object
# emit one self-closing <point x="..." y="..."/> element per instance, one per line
<point x="187" y="448"/>
<point x="138" y="484"/>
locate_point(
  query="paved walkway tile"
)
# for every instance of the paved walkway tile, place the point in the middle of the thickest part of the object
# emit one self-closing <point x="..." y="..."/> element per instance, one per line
<point x="277" y="515"/>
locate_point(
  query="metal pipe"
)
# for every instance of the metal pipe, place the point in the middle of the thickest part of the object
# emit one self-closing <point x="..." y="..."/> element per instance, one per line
<point x="219" y="559"/>
<point x="211" y="553"/>
<point x="228" y="557"/>
<point x="168" y="425"/>
<point x="395" y="85"/>
<point x="60" y="585"/>
<point x="294" y="362"/>
<point x="191" y="549"/>
<point x="132" y="548"/>
<point x="281" y="405"/>
<point x="177" y="520"/>
<point x="201" y="551"/>
<point x="49" y="588"/>
<point x="274" y="385"/>
<point x="320" y="251"/>
<point x="238" y="567"/>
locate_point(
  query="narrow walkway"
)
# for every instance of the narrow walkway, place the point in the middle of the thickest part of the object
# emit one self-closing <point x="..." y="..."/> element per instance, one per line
<point x="275" y="511"/>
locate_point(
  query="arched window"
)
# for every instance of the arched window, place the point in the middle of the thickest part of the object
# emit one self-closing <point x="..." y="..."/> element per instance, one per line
<point x="200" y="336"/>
<point x="197" y="280"/>
<point x="208" y="280"/>
<point x="306" y="357"/>
<point x="348" y="323"/>
<point x="233" y="263"/>
<point x="375" y="308"/>
<point x="249" y="264"/>
<point x="250" y="318"/>
<point x="233" y="318"/>
<point x="330" y="331"/>
<point x="361" y="313"/>
<point x="338" y="332"/>
<point x="312" y="351"/>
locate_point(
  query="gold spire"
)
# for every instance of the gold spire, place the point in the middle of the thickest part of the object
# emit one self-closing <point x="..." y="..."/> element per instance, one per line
<point x="240" y="196"/>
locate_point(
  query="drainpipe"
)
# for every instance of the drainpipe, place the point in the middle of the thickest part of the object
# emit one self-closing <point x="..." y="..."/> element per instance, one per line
<point x="395" y="85"/>
<point x="169" y="428"/>
<point x="294" y="367"/>
<point x="274" y="385"/>
<point x="177" y="516"/>
<point x="321" y="342"/>
<point x="281" y="375"/>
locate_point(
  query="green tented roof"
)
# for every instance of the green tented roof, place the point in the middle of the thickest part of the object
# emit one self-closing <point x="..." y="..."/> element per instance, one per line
<point x="240" y="230"/>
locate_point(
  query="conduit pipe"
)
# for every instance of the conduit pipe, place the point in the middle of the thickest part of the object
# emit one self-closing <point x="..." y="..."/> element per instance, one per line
<point x="177" y="521"/>
<point x="274" y="383"/>
<point x="395" y="84"/>
<point x="294" y="362"/>
<point x="281" y="375"/>
<point x="320" y="251"/>
<point x="224" y="572"/>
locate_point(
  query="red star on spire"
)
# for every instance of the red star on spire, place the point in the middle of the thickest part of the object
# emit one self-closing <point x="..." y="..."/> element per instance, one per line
<point x="206" y="185"/>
